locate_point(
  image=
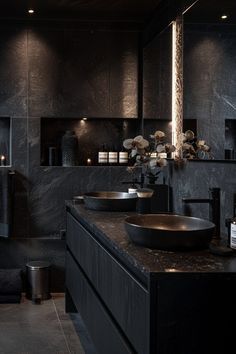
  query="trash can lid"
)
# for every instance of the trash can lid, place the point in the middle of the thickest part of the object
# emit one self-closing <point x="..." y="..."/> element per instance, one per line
<point x="38" y="264"/>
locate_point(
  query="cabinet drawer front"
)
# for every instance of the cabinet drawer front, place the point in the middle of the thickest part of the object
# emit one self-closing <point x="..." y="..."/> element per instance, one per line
<point x="125" y="298"/>
<point x="104" y="333"/>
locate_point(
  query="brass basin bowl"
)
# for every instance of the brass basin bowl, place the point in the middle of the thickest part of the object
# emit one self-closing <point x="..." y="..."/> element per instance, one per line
<point x="110" y="201"/>
<point x="169" y="231"/>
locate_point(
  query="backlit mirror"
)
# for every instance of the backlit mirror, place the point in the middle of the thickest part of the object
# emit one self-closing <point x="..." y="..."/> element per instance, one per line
<point x="209" y="74"/>
<point x="157" y="79"/>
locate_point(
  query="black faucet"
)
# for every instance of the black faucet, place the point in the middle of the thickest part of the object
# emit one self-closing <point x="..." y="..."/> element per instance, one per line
<point x="136" y="181"/>
<point x="214" y="208"/>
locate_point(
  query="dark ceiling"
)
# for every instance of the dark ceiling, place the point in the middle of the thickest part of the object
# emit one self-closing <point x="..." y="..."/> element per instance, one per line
<point x="210" y="11"/>
<point x="111" y="10"/>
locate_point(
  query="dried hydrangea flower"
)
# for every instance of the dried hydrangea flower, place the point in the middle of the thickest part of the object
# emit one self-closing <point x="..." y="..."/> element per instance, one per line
<point x="189" y="134"/>
<point x="201" y="143"/>
<point x="142" y="155"/>
<point x="169" y="148"/>
<point x="188" y="147"/>
<point x="206" y="148"/>
<point x="137" y="143"/>
<point x="160" y="148"/>
<point x="161" y="162"/>
<point x="152" y="163"/>
<point x="158" y="135"/>
<point x="183" y="137"/>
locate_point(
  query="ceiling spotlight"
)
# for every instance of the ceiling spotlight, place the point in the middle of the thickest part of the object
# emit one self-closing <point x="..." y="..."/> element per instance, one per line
<point x="85" y="118"/>
<point x="224" y="17"/>
<point x="30" y="11"/>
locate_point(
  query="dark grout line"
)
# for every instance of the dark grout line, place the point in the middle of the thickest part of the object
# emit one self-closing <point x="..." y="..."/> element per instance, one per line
<point x="61" y="327"/>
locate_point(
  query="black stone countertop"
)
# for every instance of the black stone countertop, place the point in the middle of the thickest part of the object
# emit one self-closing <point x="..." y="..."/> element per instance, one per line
<point x="108" y="227"/>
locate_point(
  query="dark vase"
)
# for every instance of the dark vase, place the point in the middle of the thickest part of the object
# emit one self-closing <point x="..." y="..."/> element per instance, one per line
<point x="161" y="199"/>
<point x="152" y="180"/>
<point x="69" y="148"/>
<point x="52" y="156"/>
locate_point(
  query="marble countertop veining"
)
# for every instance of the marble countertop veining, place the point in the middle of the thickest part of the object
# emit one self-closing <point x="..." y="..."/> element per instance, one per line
<point x="109" y="228"/>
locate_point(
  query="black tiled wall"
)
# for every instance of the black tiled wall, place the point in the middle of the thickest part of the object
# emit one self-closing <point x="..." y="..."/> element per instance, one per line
<point x="59" y="71"/>
<point x="210" y="81"/>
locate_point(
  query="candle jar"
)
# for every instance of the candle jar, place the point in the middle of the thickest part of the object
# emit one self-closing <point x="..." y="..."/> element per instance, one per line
<point x="3" y="160"/>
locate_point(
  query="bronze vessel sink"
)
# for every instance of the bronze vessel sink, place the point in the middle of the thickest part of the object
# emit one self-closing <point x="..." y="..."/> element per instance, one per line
<point x="110" y="201"/>
<point x="169" y="231"/>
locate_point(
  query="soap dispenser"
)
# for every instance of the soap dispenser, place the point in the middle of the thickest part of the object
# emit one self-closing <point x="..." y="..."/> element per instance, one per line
<point x="232" y="227"/>
<point x="232" y="242"/>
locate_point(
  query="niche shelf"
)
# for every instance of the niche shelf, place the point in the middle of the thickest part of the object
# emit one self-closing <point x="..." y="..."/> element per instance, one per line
<point x="5" y="141"/>
<point x="92" y="133"/>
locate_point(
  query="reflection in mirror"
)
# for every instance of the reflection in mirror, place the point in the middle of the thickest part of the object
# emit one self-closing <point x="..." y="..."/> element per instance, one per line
<point x="210" y="74"/>
<point x="157" y="81"/>
<point x="157" y="75"/>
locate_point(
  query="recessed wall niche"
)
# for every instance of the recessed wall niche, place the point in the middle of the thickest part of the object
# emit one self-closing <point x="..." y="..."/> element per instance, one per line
<point x="91" y="134"/>
<point x="5" y="141"/>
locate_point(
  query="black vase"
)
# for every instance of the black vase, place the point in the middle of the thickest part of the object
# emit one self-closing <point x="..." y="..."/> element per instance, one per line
<point x="161" y="198"/>
<point x="69" y="148"/>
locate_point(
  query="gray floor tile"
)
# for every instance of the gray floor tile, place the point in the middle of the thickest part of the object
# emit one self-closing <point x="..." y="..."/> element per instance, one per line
<point x="59" y="302"/>
<point x="28" y="312"/>
<point x="72" y="338"/>
<point x="27" y="328"/>
<point x="21" y="338"/>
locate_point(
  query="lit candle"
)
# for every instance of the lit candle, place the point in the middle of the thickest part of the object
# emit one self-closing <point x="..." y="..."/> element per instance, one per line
<point x="3" y="160"/>
<point x="89" y="161"/>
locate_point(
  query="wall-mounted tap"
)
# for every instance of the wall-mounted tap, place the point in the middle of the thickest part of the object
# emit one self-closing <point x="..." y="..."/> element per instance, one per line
<point x="214" y="208"/>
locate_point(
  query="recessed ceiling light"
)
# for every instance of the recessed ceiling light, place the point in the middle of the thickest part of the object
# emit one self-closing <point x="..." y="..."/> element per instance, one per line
<point x="85" y="118"/>
<point x="224" y="17"/>
<point x="30" y="11"/>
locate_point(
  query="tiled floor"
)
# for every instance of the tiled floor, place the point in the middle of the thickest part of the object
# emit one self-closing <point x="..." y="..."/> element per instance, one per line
<point x="28" y="328"/>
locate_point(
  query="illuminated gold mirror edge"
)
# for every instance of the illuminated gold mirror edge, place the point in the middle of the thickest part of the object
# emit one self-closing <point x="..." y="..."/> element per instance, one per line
<point x="177" y="84"/>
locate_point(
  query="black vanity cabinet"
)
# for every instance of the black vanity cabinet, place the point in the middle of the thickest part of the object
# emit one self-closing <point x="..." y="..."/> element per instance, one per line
<point x="112" y="302"/>
<point x="137" y="300"/>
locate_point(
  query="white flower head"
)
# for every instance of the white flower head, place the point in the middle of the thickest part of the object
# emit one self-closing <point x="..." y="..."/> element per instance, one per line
<point x="152" y="163"/>
<point x="183" y="137"/>
<point x="188" y="147"/>
<point x="161" y="162"/>
<point x="147" y="157"/>
<point x="160" y="148"/>
<point x="189" y="135"/>
<point x="169" y="148"/>
<point x="140" y="143"/>
<point x="137" y="143"/>
<point x="206" y="148"/>
<point x="201" y="143"/>
<point x="133" y="152"/>
<point x="128" y="144"/>
<point x="158" y="135"/>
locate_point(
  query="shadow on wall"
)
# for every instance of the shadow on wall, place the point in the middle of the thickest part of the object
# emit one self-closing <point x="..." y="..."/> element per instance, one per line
<point x="20" y="206"/>
<point x="6" y="201"/>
